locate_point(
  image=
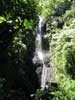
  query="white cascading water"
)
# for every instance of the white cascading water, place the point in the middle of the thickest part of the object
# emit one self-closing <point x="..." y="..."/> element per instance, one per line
<point x="39" y="38"/>
<point x="40" y="51"/>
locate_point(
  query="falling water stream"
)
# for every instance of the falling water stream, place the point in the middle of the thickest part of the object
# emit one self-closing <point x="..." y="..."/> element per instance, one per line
<point x="40" y="52"/>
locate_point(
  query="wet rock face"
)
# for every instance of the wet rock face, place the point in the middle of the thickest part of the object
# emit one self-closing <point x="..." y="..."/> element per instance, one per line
<point x="38" y="65"/>
<point x="48" y="68"/>
<point x="39" y="72"/>
<point x="43" y="28"/>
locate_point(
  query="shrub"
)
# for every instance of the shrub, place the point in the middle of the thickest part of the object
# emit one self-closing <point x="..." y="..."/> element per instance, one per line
<point x="63" y="49"/>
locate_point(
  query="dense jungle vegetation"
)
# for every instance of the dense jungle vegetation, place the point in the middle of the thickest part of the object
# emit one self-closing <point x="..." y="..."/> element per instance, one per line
<point x="18" y="21"/>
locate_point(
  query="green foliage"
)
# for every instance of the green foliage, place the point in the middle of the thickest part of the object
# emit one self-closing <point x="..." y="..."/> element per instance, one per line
<point x="22" y="8"/>
<point x="2" y="19"/>
<point x="61" y="29"/>
<point x="70" y="13"/>
<point x="17" y="23"/>
<point x="20" y="19"/>
<point x="62" y="48"/>
<point x="49" y="7"/>
<point x="66" y="91"/>
<point x="43" y="95"/>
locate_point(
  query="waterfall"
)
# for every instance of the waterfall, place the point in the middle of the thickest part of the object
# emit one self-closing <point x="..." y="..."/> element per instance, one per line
<point x="39" y="39"/>
<point x="41" y="59"/>
<point x="40" y="50"/>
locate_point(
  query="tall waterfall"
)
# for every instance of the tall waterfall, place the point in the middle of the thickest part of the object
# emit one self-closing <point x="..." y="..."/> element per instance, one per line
<point x="40" y="53"/>
<point x="41" y="59"/>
